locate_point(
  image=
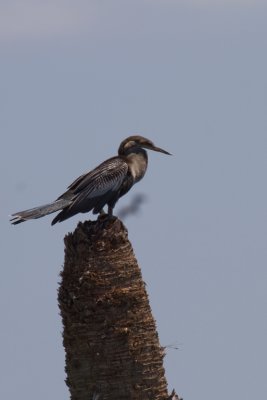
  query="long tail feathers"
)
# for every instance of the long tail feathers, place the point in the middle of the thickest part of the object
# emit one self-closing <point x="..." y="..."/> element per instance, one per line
<point x="39" y="212"/>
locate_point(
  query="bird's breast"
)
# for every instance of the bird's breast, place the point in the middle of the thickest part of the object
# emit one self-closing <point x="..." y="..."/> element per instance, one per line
<point x="137" y="164"/>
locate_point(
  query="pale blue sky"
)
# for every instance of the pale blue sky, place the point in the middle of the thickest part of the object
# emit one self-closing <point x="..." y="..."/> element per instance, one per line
<point x="77" y="78"/>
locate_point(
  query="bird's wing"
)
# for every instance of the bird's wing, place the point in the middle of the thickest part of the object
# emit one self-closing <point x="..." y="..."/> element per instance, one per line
<point x="104" y="179"/>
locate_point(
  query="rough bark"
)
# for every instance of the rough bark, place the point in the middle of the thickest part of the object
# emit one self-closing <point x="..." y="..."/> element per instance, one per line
<point x="109" y="334"/>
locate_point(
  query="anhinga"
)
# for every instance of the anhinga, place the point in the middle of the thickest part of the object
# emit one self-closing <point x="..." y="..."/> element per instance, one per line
<point x="102" y="186"/>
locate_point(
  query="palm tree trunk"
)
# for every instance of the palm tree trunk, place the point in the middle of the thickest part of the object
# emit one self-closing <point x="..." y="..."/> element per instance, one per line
<point x="109" y="334"/>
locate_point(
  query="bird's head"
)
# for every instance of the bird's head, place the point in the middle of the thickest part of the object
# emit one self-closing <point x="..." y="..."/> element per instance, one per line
<point x="133" y="143"/>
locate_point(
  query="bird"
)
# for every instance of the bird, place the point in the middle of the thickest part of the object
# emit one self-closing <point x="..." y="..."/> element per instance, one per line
<point x="102" y="186"/>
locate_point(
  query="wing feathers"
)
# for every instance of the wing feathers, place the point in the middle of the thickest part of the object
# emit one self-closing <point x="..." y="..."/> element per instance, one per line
<point x="104" y="179"/>
<point x="96" y="188"/>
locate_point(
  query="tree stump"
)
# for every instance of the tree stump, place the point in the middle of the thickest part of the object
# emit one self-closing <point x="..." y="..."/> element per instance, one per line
<point x="109" y="333"/>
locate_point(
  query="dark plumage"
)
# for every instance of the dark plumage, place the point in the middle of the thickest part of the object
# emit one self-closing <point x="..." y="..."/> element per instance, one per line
<point x="102" y="186"/>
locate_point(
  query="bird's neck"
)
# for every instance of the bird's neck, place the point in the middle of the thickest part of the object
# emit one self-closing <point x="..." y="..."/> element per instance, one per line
<point x="137" y="162"/>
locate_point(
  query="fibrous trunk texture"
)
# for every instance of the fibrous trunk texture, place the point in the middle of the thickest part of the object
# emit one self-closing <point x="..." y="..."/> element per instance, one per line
<point x="109" y="334"/>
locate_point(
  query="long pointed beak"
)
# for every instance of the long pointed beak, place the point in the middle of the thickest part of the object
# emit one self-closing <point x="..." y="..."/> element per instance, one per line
<point x="160" y="150"/>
